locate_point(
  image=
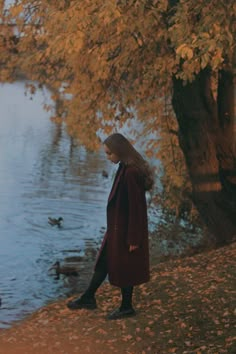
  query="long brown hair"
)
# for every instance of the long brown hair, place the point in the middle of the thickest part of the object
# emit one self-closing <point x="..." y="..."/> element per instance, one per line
<point x="127" y="154"/>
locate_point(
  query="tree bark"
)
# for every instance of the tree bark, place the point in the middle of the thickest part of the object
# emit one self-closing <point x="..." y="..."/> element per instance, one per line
<point x="226" y="142"/>
<point x="206" y="138"/>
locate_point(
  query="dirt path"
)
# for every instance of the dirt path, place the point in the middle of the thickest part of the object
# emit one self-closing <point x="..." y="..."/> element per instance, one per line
<point x="187" y="307"/>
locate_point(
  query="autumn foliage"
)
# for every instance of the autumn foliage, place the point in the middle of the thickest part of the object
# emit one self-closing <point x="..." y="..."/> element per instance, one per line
<point x="170" y="63"/>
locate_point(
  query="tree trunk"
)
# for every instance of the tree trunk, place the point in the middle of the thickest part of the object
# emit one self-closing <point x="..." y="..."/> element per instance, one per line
<point x="226" y="142"/>
<point x="206" y="138"/>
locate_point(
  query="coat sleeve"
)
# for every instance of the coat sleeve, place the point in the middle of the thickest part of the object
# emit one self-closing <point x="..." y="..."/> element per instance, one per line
<point x="137" y="208"/>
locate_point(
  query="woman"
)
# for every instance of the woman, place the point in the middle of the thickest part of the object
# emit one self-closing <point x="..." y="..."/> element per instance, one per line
<point x="124" y="253"/>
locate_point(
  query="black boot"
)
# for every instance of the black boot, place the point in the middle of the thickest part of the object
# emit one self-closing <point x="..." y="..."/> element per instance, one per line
<point x="83" y="302"/>
<point x="87" y="300"/>
<point x="126" y="308"/>
<point x="119" y="314"/>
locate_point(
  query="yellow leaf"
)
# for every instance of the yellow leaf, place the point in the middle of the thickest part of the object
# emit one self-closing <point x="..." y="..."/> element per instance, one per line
<point x="204" y="60"/>
<point x="16" y="10"/>
<point x="184" y="51"/>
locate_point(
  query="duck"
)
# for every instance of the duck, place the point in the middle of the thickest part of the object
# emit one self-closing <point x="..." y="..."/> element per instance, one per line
<point x="104" y="174"/>
<point x="65" y="270"/>
<point x="55" y="222"/>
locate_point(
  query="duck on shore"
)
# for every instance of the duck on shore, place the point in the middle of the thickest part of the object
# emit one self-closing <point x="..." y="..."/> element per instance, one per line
<point x="55" y="222"/>
<point x="64" y="270"/>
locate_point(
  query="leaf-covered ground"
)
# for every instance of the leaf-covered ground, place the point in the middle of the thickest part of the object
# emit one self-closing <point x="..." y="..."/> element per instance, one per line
<point x="189" y="306"/>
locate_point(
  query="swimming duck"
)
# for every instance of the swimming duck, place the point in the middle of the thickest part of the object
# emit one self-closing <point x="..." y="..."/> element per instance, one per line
<point x="65" y="270"/>
<point x="53" y="221"/>
<point x="104" y="174"/>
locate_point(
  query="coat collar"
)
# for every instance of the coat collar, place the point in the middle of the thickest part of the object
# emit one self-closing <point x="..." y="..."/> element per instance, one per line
<point x="118" y="175"/>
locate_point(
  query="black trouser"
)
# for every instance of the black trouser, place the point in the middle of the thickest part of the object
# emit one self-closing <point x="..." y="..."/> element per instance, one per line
<point x="99" y="276"/>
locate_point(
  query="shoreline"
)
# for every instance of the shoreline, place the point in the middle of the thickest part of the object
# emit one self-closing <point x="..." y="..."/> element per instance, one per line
<point x="187" y="307"/>
<point x="156" y="258"/>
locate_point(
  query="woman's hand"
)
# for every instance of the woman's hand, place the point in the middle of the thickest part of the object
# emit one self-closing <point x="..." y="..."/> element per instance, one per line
<point x="132" y="248"/>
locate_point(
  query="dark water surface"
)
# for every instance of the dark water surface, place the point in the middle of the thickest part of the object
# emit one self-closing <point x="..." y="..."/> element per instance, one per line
<point x="42" y="174"/>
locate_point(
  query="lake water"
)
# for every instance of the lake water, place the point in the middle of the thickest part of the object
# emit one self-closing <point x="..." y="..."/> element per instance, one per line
<point x="43" y="174"/>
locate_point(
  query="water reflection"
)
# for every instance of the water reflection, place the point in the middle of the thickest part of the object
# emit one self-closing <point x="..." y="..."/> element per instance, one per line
<point x="42" y="173"/>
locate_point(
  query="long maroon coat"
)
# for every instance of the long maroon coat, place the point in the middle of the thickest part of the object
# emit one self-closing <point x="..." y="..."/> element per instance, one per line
<point x="127" y="225"/>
